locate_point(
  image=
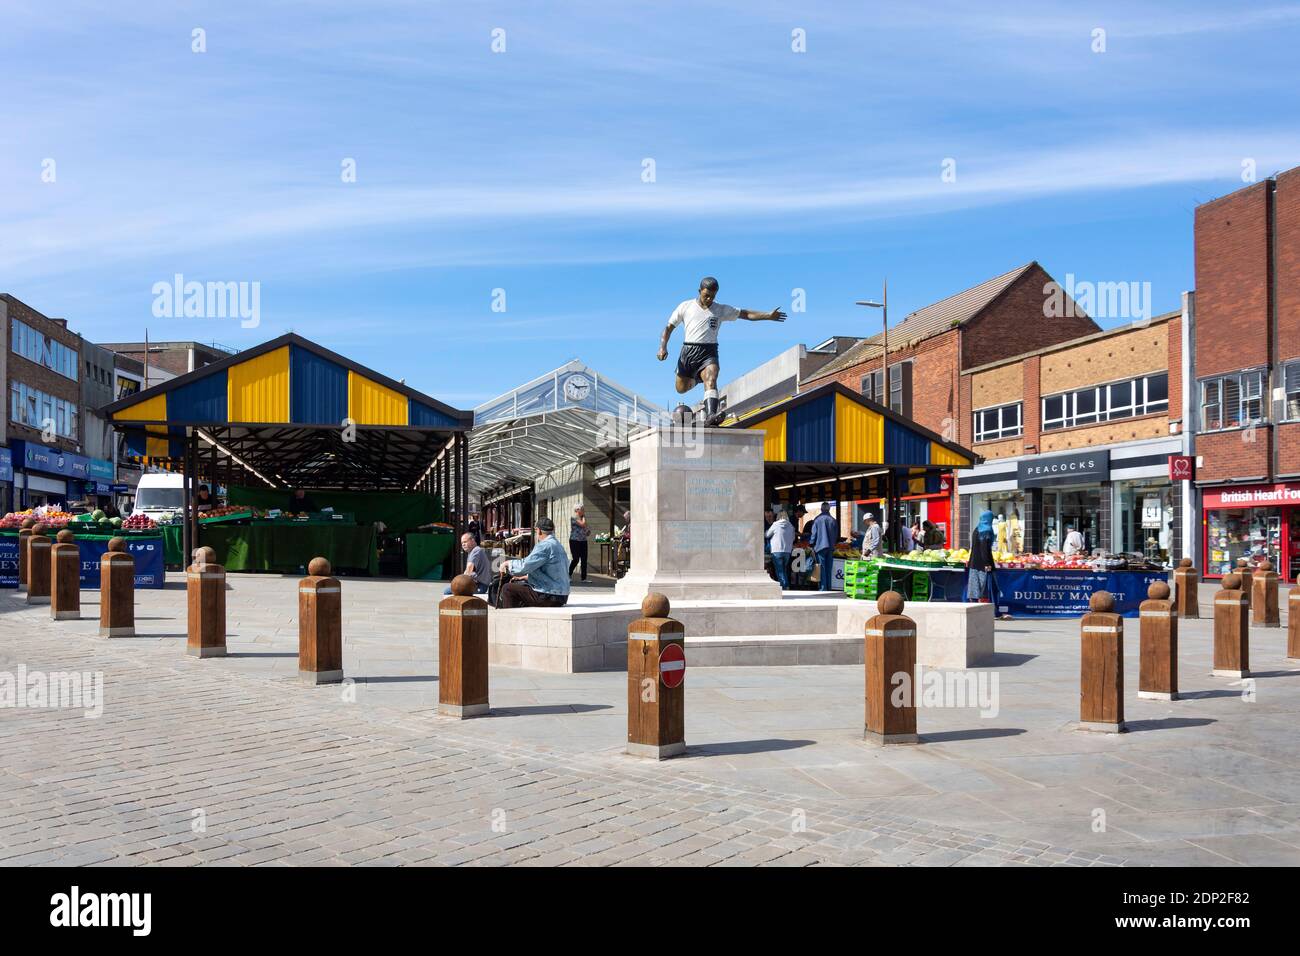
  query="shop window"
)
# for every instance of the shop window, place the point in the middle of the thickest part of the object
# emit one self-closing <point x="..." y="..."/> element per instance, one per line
<point x="1004" y="421"/>
<point x="1230" y="401"/>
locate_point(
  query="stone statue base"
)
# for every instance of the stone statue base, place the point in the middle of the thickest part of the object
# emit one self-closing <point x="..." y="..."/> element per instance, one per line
<point x="697" y="515"/>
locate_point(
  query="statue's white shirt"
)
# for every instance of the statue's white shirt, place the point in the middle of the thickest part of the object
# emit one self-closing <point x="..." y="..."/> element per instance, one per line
<point x="701" y="323"/>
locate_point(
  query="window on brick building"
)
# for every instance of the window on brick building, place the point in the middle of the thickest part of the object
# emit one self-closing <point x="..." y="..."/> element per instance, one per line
<point x="1291" y="383"/>
<point x="900" y="387"/>
<point x="1144" y="395"/>
<point x="1004" y="421"/>
<point x="1233" y="400"/>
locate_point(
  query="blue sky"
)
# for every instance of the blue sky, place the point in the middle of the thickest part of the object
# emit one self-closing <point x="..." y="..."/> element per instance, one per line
<point x="522" y="170"/>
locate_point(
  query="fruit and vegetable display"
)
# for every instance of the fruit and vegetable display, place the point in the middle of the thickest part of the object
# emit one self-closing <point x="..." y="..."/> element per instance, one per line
<point x="226" y="511"/>
<point x="139" y="522"/>
<point x="52" y="516"/>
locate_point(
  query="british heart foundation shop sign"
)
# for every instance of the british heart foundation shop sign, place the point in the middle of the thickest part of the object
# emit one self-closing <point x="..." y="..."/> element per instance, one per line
<point x="1251" y="496"/>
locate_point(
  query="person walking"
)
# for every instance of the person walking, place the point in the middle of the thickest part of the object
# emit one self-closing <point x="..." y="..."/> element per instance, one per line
<point x="578" y="540"/>
<point x="538" y="580"/>
<point x="904" y="537"/>
<point x="980" y="563"/>
<point x="822" y="538"/>
<point x="780" y="534"/>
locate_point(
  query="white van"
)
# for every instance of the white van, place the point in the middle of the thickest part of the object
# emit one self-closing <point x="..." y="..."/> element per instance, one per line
<point x="160" y="496"/>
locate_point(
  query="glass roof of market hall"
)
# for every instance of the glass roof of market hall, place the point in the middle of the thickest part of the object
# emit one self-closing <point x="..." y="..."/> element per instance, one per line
<point x="570" y="413"/>
<point x="295" y="414"/>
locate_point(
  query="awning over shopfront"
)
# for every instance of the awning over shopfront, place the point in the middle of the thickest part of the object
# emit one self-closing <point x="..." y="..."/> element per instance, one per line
<point x="569" y="414"/>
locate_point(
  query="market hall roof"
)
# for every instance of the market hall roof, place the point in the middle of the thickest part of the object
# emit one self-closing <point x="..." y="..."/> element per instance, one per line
<point x="829" y="427"/>
<point x="569" y="414"/>
<point x="281" y="408"/>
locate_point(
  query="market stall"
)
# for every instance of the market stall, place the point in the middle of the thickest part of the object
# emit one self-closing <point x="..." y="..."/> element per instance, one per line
<point x="377" y="458"/>
<point x="92" y="533"/>
<point x="1025" y="585"/>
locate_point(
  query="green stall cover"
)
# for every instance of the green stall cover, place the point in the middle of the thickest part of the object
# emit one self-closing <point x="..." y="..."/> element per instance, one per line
<point x="426" y="554"/>
<point x="286" y="548"/>
<point x="400" y="511"/>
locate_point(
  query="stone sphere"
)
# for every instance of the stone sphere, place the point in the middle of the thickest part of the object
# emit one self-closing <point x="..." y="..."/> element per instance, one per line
<point x="891" y="602"/>
<point x="1231" y="582"/>
<point x="1241" y="562"/>
<point x="29" y="522"/>
<point x="1185" y="563"/>
<point x="1159" y="591"/>
<point x="1102" y="602"/>
<point x="462" y="585"/>
<point x="318" y="567"/>
<point x="117" y="545"/>
<point x="205" y="555"/>
<point x="1265" y="566"/>
<point x="65" y="537"/>
<point x="38" y="528"/>
<point x="655" y="605"/>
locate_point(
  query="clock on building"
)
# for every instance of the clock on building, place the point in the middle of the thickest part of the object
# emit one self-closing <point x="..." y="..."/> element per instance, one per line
<point x="576" y="388"/>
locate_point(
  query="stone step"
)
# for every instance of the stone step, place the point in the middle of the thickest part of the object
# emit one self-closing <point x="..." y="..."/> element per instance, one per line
<point x="768" y="650"/>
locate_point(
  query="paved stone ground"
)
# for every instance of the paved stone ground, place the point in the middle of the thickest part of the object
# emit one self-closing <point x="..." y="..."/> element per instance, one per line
<point x="777" y="773"/>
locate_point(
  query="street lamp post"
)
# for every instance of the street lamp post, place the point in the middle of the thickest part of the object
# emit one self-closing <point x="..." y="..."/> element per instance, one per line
<point x="890" y="534"/>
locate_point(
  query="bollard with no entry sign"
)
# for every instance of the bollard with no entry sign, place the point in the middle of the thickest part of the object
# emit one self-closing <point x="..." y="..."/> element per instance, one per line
<point x="1246" y="572"/>
<point x="65" y="577"/>
<point x="205" y="586"/>
<point x="1231" y="630"/>
<point x="1158" y="633"/>
<point x="1263" y="604"/>
<point x="1187" y="581"/>
<point x="1101" y="677"/>
<point x="117" y="591"/>
<point x="24" y="544"/>
<point x="38" y="566"/>
<point x="320" y="625"/>
<point x="656" y="669"/>
<point x="889" y="656"/>
<point x="463" y="651"/>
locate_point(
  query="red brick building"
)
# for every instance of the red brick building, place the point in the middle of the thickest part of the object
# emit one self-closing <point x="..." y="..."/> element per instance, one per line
<point x="1008" y="315"/>
<point x="1246" y="350"/>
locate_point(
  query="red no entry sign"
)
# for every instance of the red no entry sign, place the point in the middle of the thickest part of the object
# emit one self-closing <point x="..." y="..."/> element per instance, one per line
<point x="672" y="665"/>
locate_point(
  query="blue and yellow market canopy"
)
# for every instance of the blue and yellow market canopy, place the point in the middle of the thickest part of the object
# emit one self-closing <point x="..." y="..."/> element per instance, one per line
<point x="296" y="414"/>
<point x="830" y="432"/>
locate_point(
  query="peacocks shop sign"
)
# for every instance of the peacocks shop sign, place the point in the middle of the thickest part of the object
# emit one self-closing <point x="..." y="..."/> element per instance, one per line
<point x="1078" y="468"/>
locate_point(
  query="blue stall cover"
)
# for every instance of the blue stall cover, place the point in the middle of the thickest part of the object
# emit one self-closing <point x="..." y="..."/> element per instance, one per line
<point x="148" y="554"/>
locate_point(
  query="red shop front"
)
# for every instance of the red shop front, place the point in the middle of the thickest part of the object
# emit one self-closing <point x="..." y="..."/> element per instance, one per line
<point x="1253" y="522"/>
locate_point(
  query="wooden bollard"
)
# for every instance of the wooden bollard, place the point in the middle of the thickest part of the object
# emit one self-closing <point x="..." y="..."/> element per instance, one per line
<point x="656" y="670"/>
<point x="889" y="655"/>
<point x="1187" y="582"/>
<point x="65" y="577"/>
<point x="1293" y="623"/>
<point x="1263" y="605"/>
<point x="38" y="566"/>
<point x="1246" y="572"/>
<point x="1101" y="677"/>
<point x="320" y="625"/>
<point x="463" y="651"/>
<point x="1231" y="630"/>
<point x="205" y="587"/>
<point x="117" y="591"/>
<point x="1158" y="633"/>
<point x="24" y="545"/>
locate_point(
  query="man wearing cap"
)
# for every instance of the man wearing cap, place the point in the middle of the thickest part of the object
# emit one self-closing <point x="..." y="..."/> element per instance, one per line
<point x="542" y="578"/>
<point x="698" y="362"/>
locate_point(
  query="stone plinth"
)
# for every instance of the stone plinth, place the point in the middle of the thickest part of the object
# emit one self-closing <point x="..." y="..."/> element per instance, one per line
<point x="697" y="516"/>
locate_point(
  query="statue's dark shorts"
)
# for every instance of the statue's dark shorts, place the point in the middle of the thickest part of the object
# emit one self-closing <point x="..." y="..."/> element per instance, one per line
<point x="695" y="358"/>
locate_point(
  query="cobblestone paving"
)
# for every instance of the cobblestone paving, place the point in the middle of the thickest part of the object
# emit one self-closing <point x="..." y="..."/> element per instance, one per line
<point x="195" y="763"/>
